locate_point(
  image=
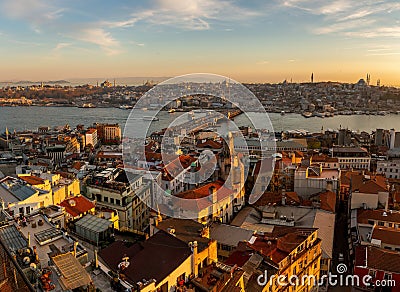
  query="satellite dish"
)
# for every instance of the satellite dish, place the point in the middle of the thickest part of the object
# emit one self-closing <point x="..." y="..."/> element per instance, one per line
<point x="26" y="260"/>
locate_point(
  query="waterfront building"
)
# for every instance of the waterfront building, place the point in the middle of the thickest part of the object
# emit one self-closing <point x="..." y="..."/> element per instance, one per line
<point x="91" y="137"/>
<point x="109" y="133"/>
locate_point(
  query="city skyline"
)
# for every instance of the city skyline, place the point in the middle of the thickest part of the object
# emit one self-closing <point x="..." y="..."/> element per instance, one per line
<point x="250" y="41"/>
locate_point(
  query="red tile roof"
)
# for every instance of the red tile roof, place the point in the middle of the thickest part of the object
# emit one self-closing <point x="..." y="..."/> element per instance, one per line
<point x="277" y="246"/>
<point x="270" y="198"/>
<point x="76" y="206"/>
<point x="192" y="196"/>
<point x="386" y="235"/>
<point x="381" y="215"/>
<point x="209" y="144"/>
<point x="32" y="180"/>
<point x="327" y="200"/>
<point x="203" y="191"/>
<point x="264" y="168"/>
<point x="382" y="259"/>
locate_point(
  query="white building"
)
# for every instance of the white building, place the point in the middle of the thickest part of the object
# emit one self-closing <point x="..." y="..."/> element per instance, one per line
<point x="352" y="157"/>
<point x="17" y="197"/>
<point x="389" y="168"/>
<point x="314" y="179"/>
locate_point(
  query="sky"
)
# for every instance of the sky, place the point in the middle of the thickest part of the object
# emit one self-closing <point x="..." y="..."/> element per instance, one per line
<point x="247" y="40"/>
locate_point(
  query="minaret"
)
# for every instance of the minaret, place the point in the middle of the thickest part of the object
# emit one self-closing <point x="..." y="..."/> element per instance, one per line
<point x="312" y="77"/>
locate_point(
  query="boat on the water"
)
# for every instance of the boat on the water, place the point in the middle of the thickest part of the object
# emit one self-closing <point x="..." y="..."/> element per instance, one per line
<point x="87" y="105"/>
<point x="307" y="114"/>
<point x="150" y="118"/>
<point x="125" y="107"/>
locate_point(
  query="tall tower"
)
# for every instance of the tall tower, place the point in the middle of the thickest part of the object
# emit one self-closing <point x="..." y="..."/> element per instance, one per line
<point x="312" y="77"/>
<point x="236" y="182"/>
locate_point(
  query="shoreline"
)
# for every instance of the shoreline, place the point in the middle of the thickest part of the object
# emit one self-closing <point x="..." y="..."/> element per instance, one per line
<point x="340" y="113"/>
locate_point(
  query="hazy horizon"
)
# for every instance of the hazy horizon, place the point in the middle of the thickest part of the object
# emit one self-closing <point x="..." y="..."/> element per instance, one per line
<point x="248" y="41"/>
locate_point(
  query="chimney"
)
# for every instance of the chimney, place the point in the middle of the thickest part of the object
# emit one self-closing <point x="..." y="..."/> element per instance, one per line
<point x="212" y="194"/>
<point x="96" y="259"/>
<point x="205" y="232"/>
<point x="36" y="254"/>
<point x="193" y="247"/>
<point x="283" y="197"/>
<point x="75" y="245"/>
<point x="329" y="185"/>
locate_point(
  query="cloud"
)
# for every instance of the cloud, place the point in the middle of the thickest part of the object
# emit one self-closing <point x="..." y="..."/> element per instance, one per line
<point x="35" y="12"/>
<point x="362" y="19"/>
<point x="264" y="62"/>
<point x="137" y="44"/>
<point x="61" y="46"/>
<point x="343" y="26"/>
<point x="187" y="15"/>
<point x="100" y="37"/>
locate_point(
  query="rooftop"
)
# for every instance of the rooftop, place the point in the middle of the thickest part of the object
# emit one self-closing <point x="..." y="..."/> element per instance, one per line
<point x="386" y="235"/>
<point x="155" y="258"/>
<point x="218" y="277"/>
<point x="73" y="275"/>
<point x="77" y="206"/>
<point x="93" y="223"/>
<point x="48" y="240"/>
<point x="12" y="238"/>
<point x="229" y="235"/>
<point x="380" y="215"/>
<point x="185" y="230"/>
<point x="14" y="190"/>
<point x="378" y="259"/>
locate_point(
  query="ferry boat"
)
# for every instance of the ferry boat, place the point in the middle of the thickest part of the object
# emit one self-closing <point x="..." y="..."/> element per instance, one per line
<point x="125" y="107"/>
<point x="150" y="118"/>
<point x="172" y="110"/>
<point x="307" y="114"/>
<point x="87" y="105"/>
<point x="282" y="113"/>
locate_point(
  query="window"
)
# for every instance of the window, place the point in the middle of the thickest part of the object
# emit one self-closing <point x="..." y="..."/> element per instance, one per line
<point x="28" y="210"/>
<point x="371" y="222"/>
<point x="106" y="199"/>
<point x="112" y="200"/>
<point x="387" y="276"/>
<point x="372" y="273"/>
<point x="381" y="223"/>
<point x="117" y="202"/>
